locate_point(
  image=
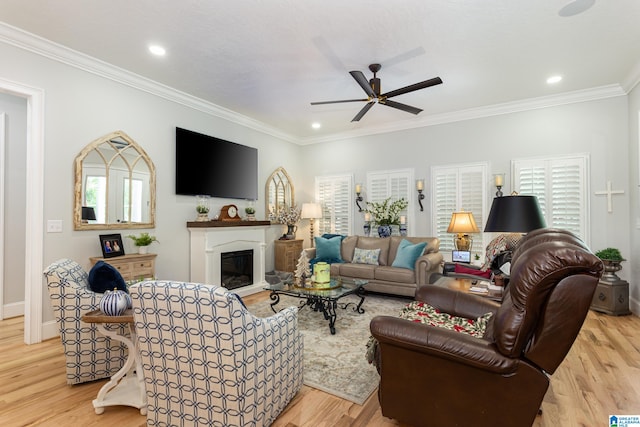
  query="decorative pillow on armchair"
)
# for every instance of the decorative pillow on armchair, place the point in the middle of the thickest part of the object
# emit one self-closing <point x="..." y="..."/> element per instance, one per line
<point x="105" y="277"/>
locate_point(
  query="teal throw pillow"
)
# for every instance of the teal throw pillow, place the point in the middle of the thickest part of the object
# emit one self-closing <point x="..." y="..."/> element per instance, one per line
<point x="408" y="254"/>
<point x="328" y="250"/>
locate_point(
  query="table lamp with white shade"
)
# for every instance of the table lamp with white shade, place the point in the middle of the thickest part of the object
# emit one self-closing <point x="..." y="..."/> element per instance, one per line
<point x="311" y="211"/>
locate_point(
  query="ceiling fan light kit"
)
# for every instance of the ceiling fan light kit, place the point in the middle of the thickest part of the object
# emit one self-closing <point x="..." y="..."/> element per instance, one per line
<point x="373" y="88"/>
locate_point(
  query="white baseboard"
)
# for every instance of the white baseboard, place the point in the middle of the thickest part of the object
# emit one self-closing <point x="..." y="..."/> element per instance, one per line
<point x="14" y="309"/>
<point x="50" y="330"/>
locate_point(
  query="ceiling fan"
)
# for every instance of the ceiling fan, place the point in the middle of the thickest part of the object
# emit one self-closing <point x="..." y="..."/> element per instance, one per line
<point x="372" y="89"/>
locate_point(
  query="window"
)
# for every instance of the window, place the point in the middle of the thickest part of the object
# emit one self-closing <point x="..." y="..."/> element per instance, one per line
<point x="335" y="195"/>
<point x="396" y="184"/>
<point x="455" y="188"/>
<point x="560" y="184"/>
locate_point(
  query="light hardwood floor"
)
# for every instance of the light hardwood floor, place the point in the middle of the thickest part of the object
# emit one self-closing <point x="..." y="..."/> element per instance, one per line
<point x="600" y="376"/>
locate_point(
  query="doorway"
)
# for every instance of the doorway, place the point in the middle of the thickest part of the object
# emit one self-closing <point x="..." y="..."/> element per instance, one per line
<point x="34" y="208"/>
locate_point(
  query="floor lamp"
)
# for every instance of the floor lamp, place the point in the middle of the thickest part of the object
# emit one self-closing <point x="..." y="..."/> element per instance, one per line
<point x="311" y="211"/>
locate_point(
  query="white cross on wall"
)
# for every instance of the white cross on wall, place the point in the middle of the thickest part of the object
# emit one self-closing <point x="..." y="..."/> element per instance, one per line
<point x="609" y="193"/>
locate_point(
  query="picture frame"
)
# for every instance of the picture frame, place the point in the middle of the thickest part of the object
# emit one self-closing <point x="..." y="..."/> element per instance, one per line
<point x="111" y="245"/>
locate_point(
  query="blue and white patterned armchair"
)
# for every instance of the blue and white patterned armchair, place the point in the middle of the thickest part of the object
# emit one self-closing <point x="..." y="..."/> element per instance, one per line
<point x="207" y="361"/>
<point x="89" y="354"/>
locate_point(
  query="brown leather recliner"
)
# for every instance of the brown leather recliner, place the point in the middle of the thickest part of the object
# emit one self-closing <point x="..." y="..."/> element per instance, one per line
<point x="431" y="376"/>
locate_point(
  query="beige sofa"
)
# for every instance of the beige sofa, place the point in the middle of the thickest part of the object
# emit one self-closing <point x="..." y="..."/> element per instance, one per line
<point x="383" y="277"/>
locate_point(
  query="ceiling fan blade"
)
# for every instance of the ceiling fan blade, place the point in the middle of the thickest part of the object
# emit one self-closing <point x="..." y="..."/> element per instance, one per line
<point x="338" y="102"/>
<point x="363" y="111"/>
<point x="416" y="86"/>
<point x="363" y="82"/>
<point x="399" y="106"/>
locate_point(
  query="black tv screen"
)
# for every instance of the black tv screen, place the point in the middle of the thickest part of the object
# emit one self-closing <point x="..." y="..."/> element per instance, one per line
<point x="212" y="166"/>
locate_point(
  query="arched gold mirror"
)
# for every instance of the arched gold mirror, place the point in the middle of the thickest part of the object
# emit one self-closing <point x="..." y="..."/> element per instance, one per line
<point x="115" y="185"/>
<point x="279" y="191"/>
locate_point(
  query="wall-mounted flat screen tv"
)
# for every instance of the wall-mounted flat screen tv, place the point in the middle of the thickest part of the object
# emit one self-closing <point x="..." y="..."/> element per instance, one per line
<point x="215" y="167"/>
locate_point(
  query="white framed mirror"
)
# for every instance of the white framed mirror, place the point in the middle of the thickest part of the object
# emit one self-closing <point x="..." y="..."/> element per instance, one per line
<point x="115" y="185"/>
<point x="279" y="191"/>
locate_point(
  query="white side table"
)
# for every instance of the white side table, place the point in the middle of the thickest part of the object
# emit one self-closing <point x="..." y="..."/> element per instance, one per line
<point x="126" y="387"/>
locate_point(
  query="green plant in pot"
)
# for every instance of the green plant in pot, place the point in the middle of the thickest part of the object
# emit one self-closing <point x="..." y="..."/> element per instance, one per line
<point x="611" y="258"/>
<point x="143" y="241"/>
<point x="251" y="213"/>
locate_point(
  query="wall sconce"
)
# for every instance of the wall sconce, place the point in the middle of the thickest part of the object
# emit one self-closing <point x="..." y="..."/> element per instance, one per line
<point x="420" y="188"/>
<point x="498" y="180"/>
<point x="358" y="196"/>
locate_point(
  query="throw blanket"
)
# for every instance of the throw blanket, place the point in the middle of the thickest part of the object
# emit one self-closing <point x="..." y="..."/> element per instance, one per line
<point x="424" y="313"/>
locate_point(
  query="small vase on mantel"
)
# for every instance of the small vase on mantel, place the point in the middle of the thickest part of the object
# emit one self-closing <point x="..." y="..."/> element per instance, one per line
<point x="202" y="208"/>
<point x="291" y="231"/>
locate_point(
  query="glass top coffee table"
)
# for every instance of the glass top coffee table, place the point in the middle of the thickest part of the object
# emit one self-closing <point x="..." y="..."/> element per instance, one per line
<point x="323" y="300"/>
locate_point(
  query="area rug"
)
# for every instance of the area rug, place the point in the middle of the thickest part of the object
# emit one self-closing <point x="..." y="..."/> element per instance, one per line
<point x="336" y="363"/>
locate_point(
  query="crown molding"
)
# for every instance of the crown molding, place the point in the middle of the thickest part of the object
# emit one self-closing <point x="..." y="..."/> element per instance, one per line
<point x="57" y="52"/>
<point x="597" y="93"/>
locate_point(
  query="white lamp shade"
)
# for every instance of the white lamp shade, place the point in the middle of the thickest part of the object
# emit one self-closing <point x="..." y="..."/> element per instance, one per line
<point x="311" y="210"/>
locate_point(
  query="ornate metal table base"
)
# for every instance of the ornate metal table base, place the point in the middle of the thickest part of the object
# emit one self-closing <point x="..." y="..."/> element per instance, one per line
<point x="325" y="304"/>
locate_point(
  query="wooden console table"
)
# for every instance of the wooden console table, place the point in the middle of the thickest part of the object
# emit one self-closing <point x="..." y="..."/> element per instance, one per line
<point x="132" y="267"/>
<point x="126" y="387"/>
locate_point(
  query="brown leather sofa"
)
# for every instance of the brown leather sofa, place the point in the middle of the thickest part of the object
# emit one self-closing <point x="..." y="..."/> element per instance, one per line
<point x="435" y="377"/>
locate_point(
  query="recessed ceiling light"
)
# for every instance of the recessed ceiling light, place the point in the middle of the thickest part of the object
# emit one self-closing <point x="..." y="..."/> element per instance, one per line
<point x="157" y="50"/>
<point x="316" y="125"/>
<point x="554" y="79"/>
<point x="576" y="7"/>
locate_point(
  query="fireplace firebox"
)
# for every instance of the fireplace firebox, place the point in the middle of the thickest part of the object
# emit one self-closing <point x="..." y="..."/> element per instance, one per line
<point x="236" y="269"/>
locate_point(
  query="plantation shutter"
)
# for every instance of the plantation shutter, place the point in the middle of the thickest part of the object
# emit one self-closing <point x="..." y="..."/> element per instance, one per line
<point x="334" y="195"/>
<point x="560" y="186"/>
<point x="396" y="184"/>
<point x="456" y="188"/>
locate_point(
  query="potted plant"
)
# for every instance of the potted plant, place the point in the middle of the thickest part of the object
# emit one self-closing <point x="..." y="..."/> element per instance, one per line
<point x="251" y="213"/>
<point x="202" y="207"/>
<point x="143" y="241"/>
<point x="611" y="258"/>
<point x="386" y="213"/>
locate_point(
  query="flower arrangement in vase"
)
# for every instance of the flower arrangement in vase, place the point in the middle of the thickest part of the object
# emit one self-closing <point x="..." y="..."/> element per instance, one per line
<point x="288" y="215"/>
<point x="386" y="213"/>
<point x="202" y="208"/>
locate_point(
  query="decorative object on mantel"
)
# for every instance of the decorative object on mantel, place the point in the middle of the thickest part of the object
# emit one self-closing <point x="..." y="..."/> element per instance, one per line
<point x="143" y="241"/>
<point x="229" y="213"/>
<point x="386" y="213"/>
<point x="251" y="213"/>
<point x="612" y="293"/>
<point x="202" y="207"/>
<point x="609" y="193"/>
<point x="289" y="216"/>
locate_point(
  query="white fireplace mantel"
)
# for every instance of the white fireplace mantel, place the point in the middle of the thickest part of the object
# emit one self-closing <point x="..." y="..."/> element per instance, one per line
<point x="209" y="242"/>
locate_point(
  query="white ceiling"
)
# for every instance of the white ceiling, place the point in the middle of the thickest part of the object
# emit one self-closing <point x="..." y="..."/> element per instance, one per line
<point x="268" y="59"/>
